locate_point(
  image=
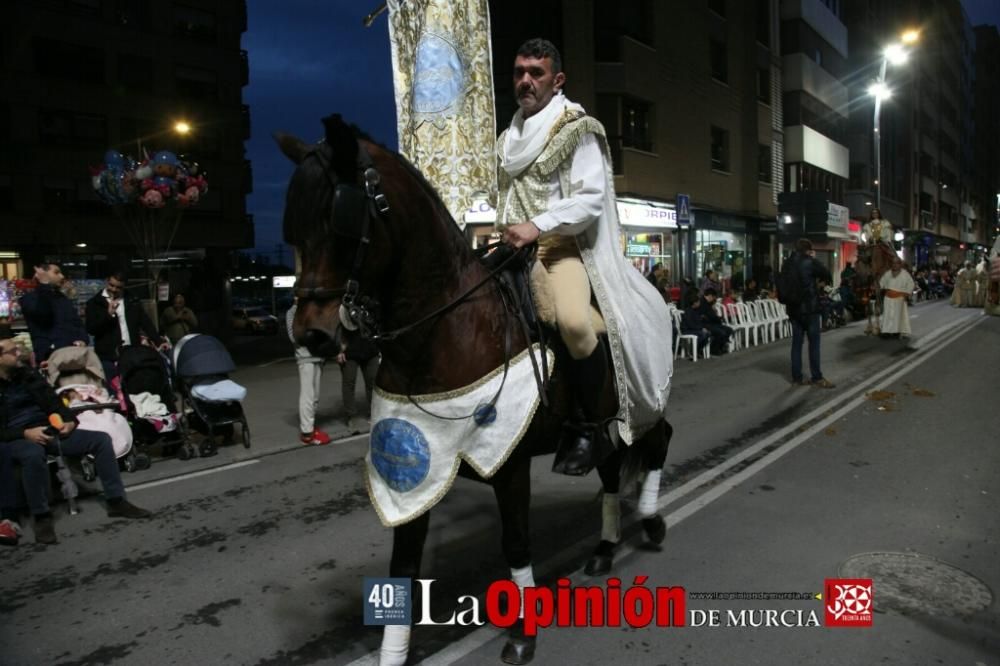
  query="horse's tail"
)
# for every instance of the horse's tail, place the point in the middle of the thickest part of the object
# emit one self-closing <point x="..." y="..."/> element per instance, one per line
<point x="650" y="452"/>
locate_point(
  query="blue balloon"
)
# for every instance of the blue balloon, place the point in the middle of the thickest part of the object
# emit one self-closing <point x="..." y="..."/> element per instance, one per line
<point x="164" y="157"/>
<point x="164" y="181"/>
<point x="114" y="159"/>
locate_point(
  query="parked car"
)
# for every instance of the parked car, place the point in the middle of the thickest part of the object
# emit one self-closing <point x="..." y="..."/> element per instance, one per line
<point x="254" y="320"/>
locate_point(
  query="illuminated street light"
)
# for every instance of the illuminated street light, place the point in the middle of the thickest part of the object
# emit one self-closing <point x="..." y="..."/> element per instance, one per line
<point x="898" y="236"/>
<point x="896" y="54"/>
<point x="786" y="218"/>
<point x="182" y="127"/>
<point x="910" y="36"/>
<point x="879" y="91"/>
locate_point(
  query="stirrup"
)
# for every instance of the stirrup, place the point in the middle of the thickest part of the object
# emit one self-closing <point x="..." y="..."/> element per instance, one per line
<point x="582" y="447"/>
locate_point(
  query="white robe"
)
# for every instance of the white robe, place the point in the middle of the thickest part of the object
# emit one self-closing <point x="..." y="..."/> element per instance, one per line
<point x="896" y="314"/>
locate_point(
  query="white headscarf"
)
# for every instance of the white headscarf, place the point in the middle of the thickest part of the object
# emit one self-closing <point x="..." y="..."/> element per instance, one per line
<point x="526" y="138"/>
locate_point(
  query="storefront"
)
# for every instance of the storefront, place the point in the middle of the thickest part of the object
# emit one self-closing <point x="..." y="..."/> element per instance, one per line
<point x="722" y="244"/>
<point x="649" y="235"/>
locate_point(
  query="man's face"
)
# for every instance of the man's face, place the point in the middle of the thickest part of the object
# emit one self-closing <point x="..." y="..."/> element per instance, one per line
<point x="115" y="287"/>
<point x="178" y="301"/>
<point x="11" y="355"/>
<point x="897" y="266"/>
<point x="710" y="298"/>
<point x="534" y="83"/>
<point x="50" y="274"/>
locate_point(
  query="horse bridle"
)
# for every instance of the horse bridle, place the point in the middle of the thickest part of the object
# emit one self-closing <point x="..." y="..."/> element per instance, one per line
<point x="351" y="201"/>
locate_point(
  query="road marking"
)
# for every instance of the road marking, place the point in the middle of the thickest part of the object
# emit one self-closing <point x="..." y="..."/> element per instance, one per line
<point x="274" y="362"/>
<point x="480" y="637"/>
<point x="192" y="475"/>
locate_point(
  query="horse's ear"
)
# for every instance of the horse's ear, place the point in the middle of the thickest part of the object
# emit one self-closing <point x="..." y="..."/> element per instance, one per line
<point x="344" y="146"/>
<point x="293" y="147"/>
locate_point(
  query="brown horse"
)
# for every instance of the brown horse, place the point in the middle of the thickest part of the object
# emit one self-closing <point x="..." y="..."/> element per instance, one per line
<point x="376" y="245"/>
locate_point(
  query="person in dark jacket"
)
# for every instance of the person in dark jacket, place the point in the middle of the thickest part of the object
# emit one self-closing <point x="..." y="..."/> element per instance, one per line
<point x="712" y="322"/>
<point x="52" y="318"/>
<point x="806" y="315"/>
<point x="356" y="352"/>
<point x="692" y="321"/>
<point x="116" y="320"/>
<point x="26" y="436"/>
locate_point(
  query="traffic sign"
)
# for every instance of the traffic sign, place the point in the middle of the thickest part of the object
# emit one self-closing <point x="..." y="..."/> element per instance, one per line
<point x="683" y="210"/>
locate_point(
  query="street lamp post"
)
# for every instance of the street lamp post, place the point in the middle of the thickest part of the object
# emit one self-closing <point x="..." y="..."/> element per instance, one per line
<point x="895" y="54"/>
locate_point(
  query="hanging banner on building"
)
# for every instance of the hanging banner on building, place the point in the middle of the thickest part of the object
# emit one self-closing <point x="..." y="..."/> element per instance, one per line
<point x="443" y="76"/>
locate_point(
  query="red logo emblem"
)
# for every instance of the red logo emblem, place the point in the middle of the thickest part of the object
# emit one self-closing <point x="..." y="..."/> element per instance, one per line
<point x="848" y="602"/>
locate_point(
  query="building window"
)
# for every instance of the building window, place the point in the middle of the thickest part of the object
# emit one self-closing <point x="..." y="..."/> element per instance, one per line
<point x="195" y="83"/>
<point x="61" y="60"/>
<point x="196" y="24"/>
<point x="764" y="85"/>
<point x="75" y="130"/>
<point x="720" y="149"/>
<point x="763" y="22"/>
<point x="764" y="164"/>
<point x="637" y="124"/>
<point x="135" y="72"/>
<point x="818" y="57"/>
<point x="718" y="60"/>
<point x="625" y="18"/>
<point x="718" y="6"/>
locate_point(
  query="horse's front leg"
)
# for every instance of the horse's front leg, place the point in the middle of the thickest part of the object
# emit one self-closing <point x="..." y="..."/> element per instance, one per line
<point x="600" y="561"/>
<point x="512" y="487"/>
<point x="407" y="551"/>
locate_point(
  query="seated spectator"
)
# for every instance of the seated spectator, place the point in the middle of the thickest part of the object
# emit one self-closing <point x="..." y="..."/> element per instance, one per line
<point x="710" y="281"/>
<point x="731" y="298"/>
<point x="751" y="292"/>
<point x="691" y="322"/>
<point x="26" y="402"/>
<point x="717" y="330"/>
<point x="663" y="286"/>
<point x="52" y="318"/>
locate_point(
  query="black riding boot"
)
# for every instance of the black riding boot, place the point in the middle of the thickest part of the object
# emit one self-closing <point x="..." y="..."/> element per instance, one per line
<point x="584" y="443"/>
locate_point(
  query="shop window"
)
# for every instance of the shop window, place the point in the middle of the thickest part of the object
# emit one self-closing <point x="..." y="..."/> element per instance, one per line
<point x="764" y="164"/>
<point x="718" y="56"/>
<point x="720" y="149"/>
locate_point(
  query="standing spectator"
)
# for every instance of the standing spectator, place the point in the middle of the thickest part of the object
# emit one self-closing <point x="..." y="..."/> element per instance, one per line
<point x="356" y="352"/>
<point x="310" y="376"/>
<point x="802" y="304"/>
<point x="52" y="318"/>
<point x="710" y="281"/>
<point x="663" y="286"/>
<point x="178" y="320"/>
<point x="897" y="284"/>
<point x="26" y="401"/>
<point x="116" y="320"/>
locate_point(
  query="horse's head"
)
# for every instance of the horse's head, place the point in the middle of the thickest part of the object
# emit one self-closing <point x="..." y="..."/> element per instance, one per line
<point x="333" y="213"/>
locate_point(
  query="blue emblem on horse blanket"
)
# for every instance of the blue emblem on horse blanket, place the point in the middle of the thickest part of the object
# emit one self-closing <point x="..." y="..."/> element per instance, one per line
<point x="439" y="76"/>
<point x="400" y="453"/>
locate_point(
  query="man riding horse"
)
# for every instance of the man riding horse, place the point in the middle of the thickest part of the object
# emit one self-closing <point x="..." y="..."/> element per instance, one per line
<point x="876" y="255"/>
<point x="556" y="187"/>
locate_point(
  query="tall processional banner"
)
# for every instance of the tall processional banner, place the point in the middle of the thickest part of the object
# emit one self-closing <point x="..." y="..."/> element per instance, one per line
<point x="443" y="76"/>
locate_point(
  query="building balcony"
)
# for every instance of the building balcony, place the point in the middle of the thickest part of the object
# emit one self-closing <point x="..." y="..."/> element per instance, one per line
<point x="928" y="186"/>
<point x="804" y="144"/>
<point x="815" y="14"/>
<point x="802" y="73"/>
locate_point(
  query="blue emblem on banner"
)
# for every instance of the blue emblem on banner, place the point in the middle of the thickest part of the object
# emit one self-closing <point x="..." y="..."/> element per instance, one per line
<point x="400" y="453"/>
<point x="438" y="77"/>
<point x="387" y="600"/>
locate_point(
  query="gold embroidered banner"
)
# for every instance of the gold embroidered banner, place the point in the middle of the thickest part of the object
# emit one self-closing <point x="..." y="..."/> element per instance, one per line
<point x="443" y="75"/>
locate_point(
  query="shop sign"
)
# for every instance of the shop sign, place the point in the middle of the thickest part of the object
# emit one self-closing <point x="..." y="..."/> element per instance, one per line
<point x="644" y="215"/>
<point x="837" y="216"/>
<point x="283" y="281"/>
<point x="639" y="250"/>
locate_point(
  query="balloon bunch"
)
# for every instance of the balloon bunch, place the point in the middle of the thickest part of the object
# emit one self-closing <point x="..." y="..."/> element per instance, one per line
<point x="152" y="183"/>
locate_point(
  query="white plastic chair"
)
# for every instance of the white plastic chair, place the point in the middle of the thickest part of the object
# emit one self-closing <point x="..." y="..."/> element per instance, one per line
<point x="677" y="316"/>
<point x="741" y="329"/>
<point x="780" y="315"/>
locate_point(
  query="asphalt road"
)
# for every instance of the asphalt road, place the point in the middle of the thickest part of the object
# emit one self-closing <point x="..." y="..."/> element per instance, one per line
<point x="256" y="556"/>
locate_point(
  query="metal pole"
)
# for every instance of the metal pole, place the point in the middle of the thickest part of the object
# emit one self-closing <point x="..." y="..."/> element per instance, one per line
<point x="878" y="137"/>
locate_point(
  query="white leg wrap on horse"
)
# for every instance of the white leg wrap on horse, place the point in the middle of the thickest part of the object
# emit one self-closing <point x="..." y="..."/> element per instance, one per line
<point x="650" y="493"/>
<point x="524" y="578"/>
<point x="395" y="645"/>
<point x="611" y="518"/>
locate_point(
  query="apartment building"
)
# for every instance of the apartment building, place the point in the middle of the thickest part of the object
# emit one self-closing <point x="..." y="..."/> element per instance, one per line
<point x="81" y="76"/>
<point x="986" y="106"/>
<point x="690" y="96"/>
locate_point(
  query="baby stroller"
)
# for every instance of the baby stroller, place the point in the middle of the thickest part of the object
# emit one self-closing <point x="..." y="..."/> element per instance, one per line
<point x="203" y="364"/>
<point x="144" y="380"/>
<point x="78" y="377"/>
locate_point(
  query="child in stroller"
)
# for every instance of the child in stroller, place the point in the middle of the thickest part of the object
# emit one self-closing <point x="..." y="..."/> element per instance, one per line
<point x="78" y="377"/>
<point x="203" y="364"/>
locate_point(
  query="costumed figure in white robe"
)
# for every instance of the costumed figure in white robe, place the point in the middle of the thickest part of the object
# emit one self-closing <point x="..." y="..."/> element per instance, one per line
<point x="556" y="186"/>
<point x="965" y="284"/>
<point x="982" y="283"/>
<point x="896" y="285"/>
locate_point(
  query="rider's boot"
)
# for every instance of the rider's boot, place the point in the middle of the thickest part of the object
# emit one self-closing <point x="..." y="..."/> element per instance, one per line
<point x="584" y="443"/>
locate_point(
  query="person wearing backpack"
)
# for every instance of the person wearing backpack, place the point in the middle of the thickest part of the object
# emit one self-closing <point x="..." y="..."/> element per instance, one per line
<point x="798" y="291"/>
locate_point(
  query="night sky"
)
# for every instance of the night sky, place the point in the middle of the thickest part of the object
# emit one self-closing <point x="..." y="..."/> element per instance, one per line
<point x="310" y="58"/>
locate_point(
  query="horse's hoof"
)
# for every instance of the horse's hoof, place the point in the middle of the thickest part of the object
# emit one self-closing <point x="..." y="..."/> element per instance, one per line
<point x="600" y="562"/>
<point x="520" y="648"/>
<point x="655" y="528"/>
